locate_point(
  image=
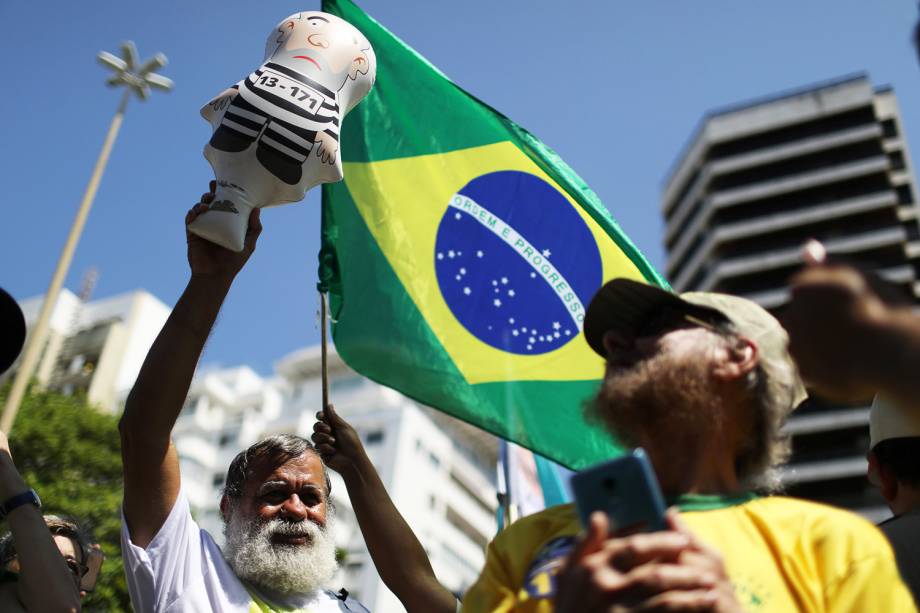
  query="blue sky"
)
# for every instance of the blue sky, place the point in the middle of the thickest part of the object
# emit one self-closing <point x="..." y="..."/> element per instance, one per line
<point x="615" y="87"/>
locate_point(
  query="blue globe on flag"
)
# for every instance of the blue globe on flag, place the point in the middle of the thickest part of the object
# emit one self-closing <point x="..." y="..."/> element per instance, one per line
<point x="515" y="263"/>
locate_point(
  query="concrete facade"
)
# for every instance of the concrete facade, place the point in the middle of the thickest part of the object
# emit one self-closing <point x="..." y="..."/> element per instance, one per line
<point x="95" y="347"/>
<point x="755" y="181"/>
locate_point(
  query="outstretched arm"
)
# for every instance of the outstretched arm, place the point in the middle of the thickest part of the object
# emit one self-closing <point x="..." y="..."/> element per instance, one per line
<point x="45" y="583"/>
<point x="151" y="464"/>
<point x="398" y="555"/>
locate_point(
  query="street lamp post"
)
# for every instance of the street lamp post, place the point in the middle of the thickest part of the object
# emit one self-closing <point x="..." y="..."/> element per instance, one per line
<point x="136" y="79"/>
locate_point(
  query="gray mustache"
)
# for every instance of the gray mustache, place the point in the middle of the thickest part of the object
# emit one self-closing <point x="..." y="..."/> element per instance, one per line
<point x="289" y="528"/>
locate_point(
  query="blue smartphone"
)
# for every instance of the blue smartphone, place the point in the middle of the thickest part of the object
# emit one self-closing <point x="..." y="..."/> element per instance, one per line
<point x="626" y="489"/>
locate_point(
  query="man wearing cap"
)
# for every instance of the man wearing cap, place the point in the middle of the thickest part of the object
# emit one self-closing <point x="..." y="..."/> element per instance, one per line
<point x="894" y="467"/>
<point x="704" y="383"/>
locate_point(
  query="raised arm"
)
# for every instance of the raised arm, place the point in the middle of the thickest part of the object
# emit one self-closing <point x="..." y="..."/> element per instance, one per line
<point x="45" y="583"/>
<point x="151" y="465"/>
<point x="849" y="340"/>
<point x="398" y="555"/>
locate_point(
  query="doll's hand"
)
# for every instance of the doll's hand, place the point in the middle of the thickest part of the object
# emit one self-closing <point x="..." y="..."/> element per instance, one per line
<point x="326" y="148"/>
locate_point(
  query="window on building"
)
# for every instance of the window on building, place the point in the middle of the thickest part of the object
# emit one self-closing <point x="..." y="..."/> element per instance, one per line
<point x="218" y="480"/>
<point x="463" y="487"/>
<point x="460" y="523"/>
<point x="374" y="436"/>
<point x="458" y="561"/>
<point x="234" y="421"/>
<point x="226" y="438"/>
<point x="889" y="128"/>
<point x="434" y="460"/>
<point x="76" y="364"/>
<point x="896" y="159"/>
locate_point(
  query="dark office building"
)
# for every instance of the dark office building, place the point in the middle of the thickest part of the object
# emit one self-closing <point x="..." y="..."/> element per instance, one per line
<point x="758" y="179"/>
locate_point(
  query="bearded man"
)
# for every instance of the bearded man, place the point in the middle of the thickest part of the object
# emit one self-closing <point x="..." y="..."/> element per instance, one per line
<point x="279" y="551"/>
<point x="703" y="382"/>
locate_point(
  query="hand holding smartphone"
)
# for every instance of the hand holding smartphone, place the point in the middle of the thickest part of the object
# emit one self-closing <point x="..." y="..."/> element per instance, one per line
<point x="626" y="490"/>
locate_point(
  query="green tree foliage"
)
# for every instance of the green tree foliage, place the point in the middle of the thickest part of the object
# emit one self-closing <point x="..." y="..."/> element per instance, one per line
<point x="71" y="455"/>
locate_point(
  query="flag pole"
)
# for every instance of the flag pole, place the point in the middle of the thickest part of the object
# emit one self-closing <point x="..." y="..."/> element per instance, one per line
<point x="39" y="331"/>
<point x="323" y="316"/>
<point x="138" y="79"/>
<point x="505" y="514"/>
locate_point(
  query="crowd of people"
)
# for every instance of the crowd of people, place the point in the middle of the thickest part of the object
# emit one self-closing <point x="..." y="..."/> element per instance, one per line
<point x="682" y="371"/>
<point x="702" y="381"/>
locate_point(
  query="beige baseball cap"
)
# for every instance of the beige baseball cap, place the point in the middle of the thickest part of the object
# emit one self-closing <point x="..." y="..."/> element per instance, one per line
<point x="888" y="420"/>
<point x="625" y="305"/>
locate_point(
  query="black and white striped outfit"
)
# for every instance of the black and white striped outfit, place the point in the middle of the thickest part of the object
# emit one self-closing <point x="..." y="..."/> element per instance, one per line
<point x="284" y="130"/>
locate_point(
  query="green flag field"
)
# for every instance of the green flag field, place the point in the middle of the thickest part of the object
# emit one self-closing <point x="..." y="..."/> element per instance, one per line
<point x="460" y="254"/>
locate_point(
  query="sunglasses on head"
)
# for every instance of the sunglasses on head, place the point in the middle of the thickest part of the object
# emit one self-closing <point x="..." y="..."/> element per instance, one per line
<point x="79" y="570"/>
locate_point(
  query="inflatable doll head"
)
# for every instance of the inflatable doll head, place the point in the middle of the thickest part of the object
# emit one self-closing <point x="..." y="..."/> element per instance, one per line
<point x="276" y="133"/>
<point x="328" y="49"/>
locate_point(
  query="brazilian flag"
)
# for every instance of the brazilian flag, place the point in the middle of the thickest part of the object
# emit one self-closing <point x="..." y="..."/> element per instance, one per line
<point x="460" y="254"/>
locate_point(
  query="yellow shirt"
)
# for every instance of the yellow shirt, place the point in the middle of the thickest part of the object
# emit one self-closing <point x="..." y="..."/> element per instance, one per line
<point x="781" y="554"/>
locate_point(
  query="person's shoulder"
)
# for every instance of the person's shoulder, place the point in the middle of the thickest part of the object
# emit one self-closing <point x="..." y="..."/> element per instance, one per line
<point x="823" y="524"/>
<point x="9" y="598"/>
<point x="783" y="507"/>
<point x="902" y="527"/>
<point x="553" y="520"/>
<point x="559" y="515"/>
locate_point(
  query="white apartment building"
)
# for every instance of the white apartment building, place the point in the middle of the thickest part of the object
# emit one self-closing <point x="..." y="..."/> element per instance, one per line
<point x="97" y="346"/>
<point x="439" y="472"/>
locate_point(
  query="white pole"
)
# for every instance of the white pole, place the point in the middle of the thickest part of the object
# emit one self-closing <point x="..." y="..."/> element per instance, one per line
<point x="324" y="366"/>
<point x="40" y="330"/>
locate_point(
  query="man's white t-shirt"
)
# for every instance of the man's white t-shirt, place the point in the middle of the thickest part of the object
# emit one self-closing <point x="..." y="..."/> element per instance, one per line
<point x="183" y="569"/>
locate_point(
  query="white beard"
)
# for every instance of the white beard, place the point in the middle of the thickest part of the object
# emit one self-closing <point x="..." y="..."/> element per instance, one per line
<point x="283" y="569"/>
